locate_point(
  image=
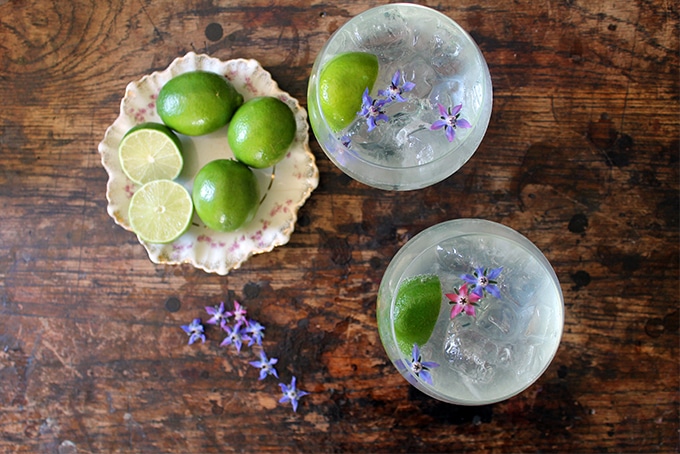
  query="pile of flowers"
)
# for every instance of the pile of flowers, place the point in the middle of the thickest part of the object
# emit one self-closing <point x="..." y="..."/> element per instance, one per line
<point x="241" y="330"/>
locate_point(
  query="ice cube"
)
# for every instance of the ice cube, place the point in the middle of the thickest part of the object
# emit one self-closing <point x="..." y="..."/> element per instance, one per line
<point x="497" y="320"/>
<point x="390" y="38"/>
<point x="471" y="353"/>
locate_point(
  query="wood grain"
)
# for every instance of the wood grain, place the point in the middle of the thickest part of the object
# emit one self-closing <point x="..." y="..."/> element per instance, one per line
<point x="581" y="156"/>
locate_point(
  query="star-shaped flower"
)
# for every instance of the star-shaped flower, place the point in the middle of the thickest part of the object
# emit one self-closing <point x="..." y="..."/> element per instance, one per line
<point x="235" y="336"/>
<point x="217" y="314"/>
<point x="255" y="332"/>
<point x="195" y="331"/>
<point x="484" y="280"/>
<point x="372" y="110"/>
<point x="421" y="368"/>
<point x="394" y="91"/>
<point x="266" y="366"/>
<point x="464" y="301"/>
<point x="450" y="120"/>
<point x="291" y="394"/>
<point x="239" y="314"/>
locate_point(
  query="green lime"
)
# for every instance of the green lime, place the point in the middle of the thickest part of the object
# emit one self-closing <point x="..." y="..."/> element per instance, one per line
<point x="150" y="151"/>
<point x="261" y="131"/>
<point x="416" y="309"/>
<point x="226" y="194"/>
<point x="197" y="102"/>
<point x="342" y="83"/>
<point x="160" y="211"/>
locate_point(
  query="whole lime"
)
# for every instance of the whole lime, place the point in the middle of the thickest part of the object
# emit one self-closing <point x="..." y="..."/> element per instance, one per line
<point x="261" y="131"/>
<point x="342" y="82"/>
<point x="226" y="195"/>
<point x="197" y="102"/>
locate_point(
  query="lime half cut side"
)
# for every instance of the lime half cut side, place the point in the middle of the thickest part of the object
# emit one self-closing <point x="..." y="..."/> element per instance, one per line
<point x="150" y="151"/>
<point x="416" y="310"/>
<point x="160" y="211"/>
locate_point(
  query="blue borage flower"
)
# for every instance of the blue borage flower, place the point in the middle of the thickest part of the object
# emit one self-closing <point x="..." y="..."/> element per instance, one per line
<point x="421" y="368"/>
<point x="450" y="120"/>
<point x="195" y="331"/>
<point x="483" y="280"/>
<point x="291" y="394"/>
<point x="394" y="92"/>
<point x="243" y="330"/>
<point x="217" y="314"/>
<point x="372" y="110"/>
<point x="266" y="366"/>
<point x="235" y="336"/>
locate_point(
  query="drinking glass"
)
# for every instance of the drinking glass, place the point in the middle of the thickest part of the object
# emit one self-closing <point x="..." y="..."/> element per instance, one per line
<point x="430" y="105"/>
<point x="500" y="319"/>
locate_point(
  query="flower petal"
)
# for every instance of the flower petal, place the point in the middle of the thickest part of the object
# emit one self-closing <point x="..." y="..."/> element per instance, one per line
<point x="456" y="110"/>
<point x="470" y="310"/>
<point x="426" y="377"/>
<point x="452" y="296"/>
<point x="456" y="310"/>
<point x="439" y="124"/>
<point x="494" y="273"/>
<point x="463" y="123"/>
<point x="450" y="133"/>
<point x="442" y="110"/>
<point x="493" y="290"/>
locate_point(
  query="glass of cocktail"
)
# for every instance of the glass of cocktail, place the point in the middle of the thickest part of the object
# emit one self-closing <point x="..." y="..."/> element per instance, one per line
<point x="470" y="312"/>
<point x="400" y="97"/>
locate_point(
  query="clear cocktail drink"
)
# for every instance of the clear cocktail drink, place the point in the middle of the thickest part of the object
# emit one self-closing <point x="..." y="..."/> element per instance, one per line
<point x="425" y="114"/>
<point x="500" y="312"/>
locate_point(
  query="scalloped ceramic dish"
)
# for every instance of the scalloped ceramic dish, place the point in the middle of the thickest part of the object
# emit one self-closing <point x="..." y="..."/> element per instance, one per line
<point x="284" y="188"/>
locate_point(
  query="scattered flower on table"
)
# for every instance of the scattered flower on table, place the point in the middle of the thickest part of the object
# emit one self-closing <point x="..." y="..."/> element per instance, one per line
<point x="235" y="336"/>
<point x="450" y="120"/>
<point x="394" y="92"/>
<point x="465" y="302"/>
<point x="240" y="331"/>
<point x="195" y="331"/>
<point x="372" y="110"/>
<point x="483" y="280"/>
<point x="266" y="366"/>
<point x="291" y="394"/>
<point x="255" y="332"/>
<point x="217" y="314"/>
<point x="239" y="314"/>
<point x="421" y="368"/>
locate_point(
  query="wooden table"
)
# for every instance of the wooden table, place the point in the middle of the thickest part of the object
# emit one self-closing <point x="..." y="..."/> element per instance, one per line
<point x="581" y="156"/>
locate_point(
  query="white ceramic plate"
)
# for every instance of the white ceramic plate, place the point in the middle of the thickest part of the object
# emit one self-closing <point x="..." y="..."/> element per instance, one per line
<point x="284" y="188"/>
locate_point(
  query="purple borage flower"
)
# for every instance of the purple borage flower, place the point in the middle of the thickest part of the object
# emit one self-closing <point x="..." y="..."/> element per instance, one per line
<point x="235" y="335"/>
<point x="266" y="366"/>
<point x="195" y="331"/>
<point x="421" y="368"/>
<point x="372" y="110"/>
<point x="449" y="120"/>
<point x="394" y="91"/>
<point x="255" y="333"/>
<point x="217" y="314"/>
<point x="484" y="280"/>
<point x="291" y="394"/>
<point x="464" y="301"/>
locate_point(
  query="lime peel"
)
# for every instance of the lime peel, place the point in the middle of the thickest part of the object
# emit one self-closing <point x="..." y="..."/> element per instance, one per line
<point x="416" y="309"/>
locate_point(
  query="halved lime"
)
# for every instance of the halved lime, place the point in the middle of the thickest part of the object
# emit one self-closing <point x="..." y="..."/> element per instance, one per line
<point x="416" y="309"/>
<point x="160" y="211"/>
<point x="342" y="82"/>
<point x="150" y="151"/>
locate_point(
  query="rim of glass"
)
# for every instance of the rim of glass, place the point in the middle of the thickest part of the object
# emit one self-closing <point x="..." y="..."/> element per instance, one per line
<point x="485" y="227"/>
<point x="318" y="64"/>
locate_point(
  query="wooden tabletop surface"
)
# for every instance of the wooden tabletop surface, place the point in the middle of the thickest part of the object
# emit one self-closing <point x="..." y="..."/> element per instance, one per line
<point x="581" y="157"/>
